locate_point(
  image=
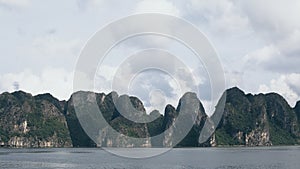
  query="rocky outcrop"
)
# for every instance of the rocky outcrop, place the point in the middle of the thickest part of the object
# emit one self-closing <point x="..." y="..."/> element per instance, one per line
<point x="120" y="131"/>
<point x="297" y="111"/>
<point x="190" y="122"/>
<point x="44" y="121"/>
<point x="169" y="125"/>
<point x="257" y="120"/>
<point x="31" y="142"/>
<point x="32" y="121"/>
<point x="156" y="129"/>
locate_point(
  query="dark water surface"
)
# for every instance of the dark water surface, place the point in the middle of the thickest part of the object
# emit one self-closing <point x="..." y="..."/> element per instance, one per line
<point x="190" y="158"/>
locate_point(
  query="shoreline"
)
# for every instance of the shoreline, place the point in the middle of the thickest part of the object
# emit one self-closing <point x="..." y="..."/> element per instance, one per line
<point x="216" y="147"/>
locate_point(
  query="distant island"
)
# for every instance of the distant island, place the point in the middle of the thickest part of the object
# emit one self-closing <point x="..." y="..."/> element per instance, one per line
<point x="44" y="121"/>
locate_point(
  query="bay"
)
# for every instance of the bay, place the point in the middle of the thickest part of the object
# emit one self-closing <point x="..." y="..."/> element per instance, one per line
<point x="178" y="158"/>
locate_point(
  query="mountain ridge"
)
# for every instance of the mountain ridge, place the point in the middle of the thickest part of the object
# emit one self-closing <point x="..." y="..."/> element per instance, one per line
<point x="44" y="121"/>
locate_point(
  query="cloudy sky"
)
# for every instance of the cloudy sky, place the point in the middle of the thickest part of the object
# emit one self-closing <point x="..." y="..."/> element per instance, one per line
<point x="257" y="44"/>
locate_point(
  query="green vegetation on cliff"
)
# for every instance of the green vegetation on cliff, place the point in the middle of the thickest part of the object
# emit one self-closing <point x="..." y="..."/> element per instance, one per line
<point x="44" y="121"/>
<point x="32" y="121"/>
<point x="257" y="120"/>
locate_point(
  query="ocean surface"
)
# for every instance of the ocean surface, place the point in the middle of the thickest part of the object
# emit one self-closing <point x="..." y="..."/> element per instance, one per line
<point x="180" y="158"/>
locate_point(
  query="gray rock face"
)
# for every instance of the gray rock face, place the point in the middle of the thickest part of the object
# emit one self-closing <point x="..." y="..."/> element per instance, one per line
<point x="118" y="130"/>
<point x="189" y="115"/>
<point x="297" y="111"/>
<point x="169" y="124"/>
<point x="257" y="120"/>
<point x="32" y="121"/>
<point x="44" y="121"/>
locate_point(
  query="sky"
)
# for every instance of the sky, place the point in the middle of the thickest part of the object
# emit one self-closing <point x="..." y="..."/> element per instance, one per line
<point x="257" y="44"/>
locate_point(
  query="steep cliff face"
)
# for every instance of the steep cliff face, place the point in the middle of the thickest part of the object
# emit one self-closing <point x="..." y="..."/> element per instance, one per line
<point x="131" y="132"/>
<point x="260" y="131"/>
<point x="156" y="129"/>
<point x="32" y="121"/>
<point x="169" y="124"/>
<point x="113" y="109"/>
<point x="78" y="135"/>
<point x="257" y="120"/>
<point x="44" y="121"/>
<point x="193" y="114"/>
<point x="283" y="120"/>
<point x="297" y="111"/>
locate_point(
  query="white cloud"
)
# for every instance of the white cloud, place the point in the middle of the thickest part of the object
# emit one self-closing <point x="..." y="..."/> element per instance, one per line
<point x="154" y="87"/>
<point x="234" y="78"/>
<point x="104" y="78"/>
<point x="278" y="24"/>
<point x="50" y="49"/>
<point x="220" y="16"/>
<point x="273" y="19"/>
<point x="268" y="31"/>
<point x="157" y="101"/>
<point x="262" y="56"/>
<point x="15" y="3"/>
<point x="286" y="85"/>
<point x="54" y="47"/>
<point x="278" y="58"/>
<point x="103" y="5"/>
<point x="186" y="80"/>
<point x="289" y="45"/>
<point x="208" y="107"/>
<point x="157" y="6"/>
<point x="58" y="82"/>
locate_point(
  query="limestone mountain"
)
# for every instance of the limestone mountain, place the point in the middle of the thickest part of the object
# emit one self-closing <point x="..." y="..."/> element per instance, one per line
<point x="192" y="113"/>
<point x="32" y="121"/>
<point x="257" y="120"/>
<point x="109" y="105"/>
<point x="297" y="111"/>
<point x="44" y="121"/>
